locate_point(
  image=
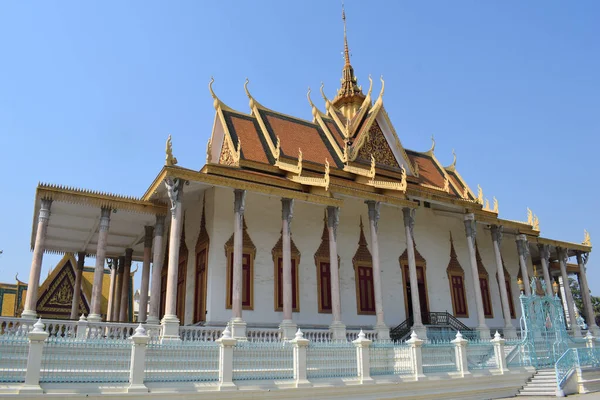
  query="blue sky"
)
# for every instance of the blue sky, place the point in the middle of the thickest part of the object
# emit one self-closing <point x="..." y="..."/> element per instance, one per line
<point x="89" y="92"/>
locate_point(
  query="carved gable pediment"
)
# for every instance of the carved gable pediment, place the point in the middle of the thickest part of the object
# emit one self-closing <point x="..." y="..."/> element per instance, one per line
<point x="55" y="301"/>
<point x="375" y="143"/>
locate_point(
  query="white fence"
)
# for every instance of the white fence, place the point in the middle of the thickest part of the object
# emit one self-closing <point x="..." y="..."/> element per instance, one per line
<point x="61" y="356"/>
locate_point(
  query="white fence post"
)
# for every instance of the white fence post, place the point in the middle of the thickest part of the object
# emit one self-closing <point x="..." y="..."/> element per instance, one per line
<point x="82" y="328"/>
<point x="362" y="358"/>
<point x="416" y="355"/>
<point x="499" y="352"/>
<point x="460" y="349"/>
<point x="300" y="345"/>
<point x="36" y="337"/>
<point x="138" y="361"/>
<point x="590" y="341"/>
<point x="226" y="360"/>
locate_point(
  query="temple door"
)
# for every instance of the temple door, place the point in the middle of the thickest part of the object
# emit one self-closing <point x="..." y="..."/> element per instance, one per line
<point x="421" y="279"/>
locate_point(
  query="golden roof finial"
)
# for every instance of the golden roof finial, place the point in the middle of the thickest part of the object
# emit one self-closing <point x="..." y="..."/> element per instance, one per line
<point x="346" y="51"/>
<point x="529" y="217"/>
<point x="169" y="160"/>
<point x="370" y="86"/>
<point x="380" y="98"/>
<point x="587" y="241"/>
<point x="536" y="223"/>
<point x="432" y="149"/>
<point x="479" y="195"/>
<point x="452" y="166"/>
<point x="495" y="205"/>
<point x="327" y="102"/>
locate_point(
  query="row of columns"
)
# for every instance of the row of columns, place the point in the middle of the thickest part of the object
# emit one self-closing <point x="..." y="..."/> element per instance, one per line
<point x="120" y="274"/>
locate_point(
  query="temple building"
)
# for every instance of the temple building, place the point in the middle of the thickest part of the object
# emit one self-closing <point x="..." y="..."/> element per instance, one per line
<point x="329" y="223"/>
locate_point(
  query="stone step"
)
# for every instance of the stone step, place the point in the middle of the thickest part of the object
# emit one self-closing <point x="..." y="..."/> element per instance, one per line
<point x="544" y="381"/>
<point x="537" y="394"/>
<point x="538" y="389"/>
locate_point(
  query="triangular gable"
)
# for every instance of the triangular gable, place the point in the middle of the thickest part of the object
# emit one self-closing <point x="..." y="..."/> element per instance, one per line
<point x="375" y="144"/>
<point x="362" y="252"/>
<point x="56" y="292"/>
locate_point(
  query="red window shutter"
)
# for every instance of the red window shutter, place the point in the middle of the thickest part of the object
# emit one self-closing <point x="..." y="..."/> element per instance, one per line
<point x="459" y="294"/>
<point x="366" y="293"/>
<point x="199" y="290"/>
<point x="294" y="285"/>
<point x="279" y="282"/>
<point x="246" y="280"/>
<point x="485" y="296"/>
<point x="325" y="286"/>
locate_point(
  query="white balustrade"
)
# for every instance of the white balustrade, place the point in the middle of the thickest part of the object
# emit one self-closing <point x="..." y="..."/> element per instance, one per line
<point x="200" y="333"/>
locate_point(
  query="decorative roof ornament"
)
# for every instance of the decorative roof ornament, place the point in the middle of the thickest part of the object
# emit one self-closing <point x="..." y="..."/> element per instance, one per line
<point x="586" y="238"/>
<point x="314" y="109"/>
<point x="446" y="185"/>
<point x="209" y="151"/>
<point x="416" y="169"/>
<point x="479" y="195"/>
<point x="252" y="102"/>
<point x="379" y="100"/>
<point x="372" y="169"/>
<point x="278" y="149"/>
<point x="304" y="180"/>
<point x="169" y="160"/>
<point x="465" y="194"/>
<point x="536" y="223"/>
<point x="487" y="205"/>
<point x="389" y="185"/>
<point x="452" y="167"/>
<point x="432" y="149"/>
<point x="327" y="102"/>
<point x="495" y="205"/>
<point x="295" y="169"/>
<point x="529" y="217"/>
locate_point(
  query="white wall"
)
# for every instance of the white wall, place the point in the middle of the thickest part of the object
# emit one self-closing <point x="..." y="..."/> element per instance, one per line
<point x="263" y="218"/>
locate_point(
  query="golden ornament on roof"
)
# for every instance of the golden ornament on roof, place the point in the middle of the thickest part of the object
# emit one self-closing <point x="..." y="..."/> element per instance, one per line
<point x="169" y="160"/>
<point x="495" y="205"/>
<point x="536" y="223"/>
<point x="529" y="217"/>
<point x="586" y="238"/>
<point x="479" y="195"/>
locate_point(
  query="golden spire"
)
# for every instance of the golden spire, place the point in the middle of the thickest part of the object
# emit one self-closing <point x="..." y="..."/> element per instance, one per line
<point x="350" y="95"/>
<point x="346" y="51"/>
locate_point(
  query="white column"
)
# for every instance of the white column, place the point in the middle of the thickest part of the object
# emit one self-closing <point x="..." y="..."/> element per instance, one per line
<point x="582" y="259"/>
<point x="300" y="345"/>
<point x="338" y="329"/>
<point x="416" y="355"/>
<point x="36" y="337"/>
<point x="226" y="343"/>
<point x="149" y="230"/>
<point x="77" y="285"/>
<point x="563" y="258"/>
<point x="287" y="326"/>
<point x="125" y="293"/>
<point x="99" y="269"/>
<point x="409" y="222"/>
<point x="383" y="332"/>
<point x="499" y="353"/>
<point x="523" y="250"/>
<point x="460" y="349"/>
<point x="545" y="261"/>
<point x="138" y="361"/>
<point x="238" y="326"/>
<point x="29" y="311"/>
<point x="113" y="264"/>
<point x="471" y="232"/>
<point x="157" y="264"/>
<point x="509" y="329"/>
<point x="116" y="308"/>
<point x="363" y="361"/>
<point x="170" y="322"/>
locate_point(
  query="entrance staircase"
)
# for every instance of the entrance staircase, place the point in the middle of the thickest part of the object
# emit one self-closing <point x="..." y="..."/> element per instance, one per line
<point x="543" y="383"/>
<point x="431" y="319"/>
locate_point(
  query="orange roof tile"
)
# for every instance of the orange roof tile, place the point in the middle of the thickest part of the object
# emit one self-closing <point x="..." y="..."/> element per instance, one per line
<point x="297" y="134"/>
<point x="335" y="132"/>
<point x="428" y="171"/>
<point x="246" y="129"/>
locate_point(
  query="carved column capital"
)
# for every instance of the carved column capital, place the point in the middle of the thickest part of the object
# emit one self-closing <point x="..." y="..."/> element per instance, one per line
<point x="470" y="226"/>
<point x="582" y="258"/>
<point x="104" y="219"/>
<point x="497" y="233"/>
<point x="563" y="254"/>
<point x="113" y="263"/>
<point x="409" y="218"/>
<point x="174" y="191"/>
<point x="239" y="203"/>
<point x="522" y="245"/>
<point x="287" y="211"/>
<point x="128" y="257"/>
<point x="374" y="207"/>
<point x="45" y="209"/>
<point x="333" y="219"/>
<point x="544" y="252"/>
<point x="80" y="260"/>
<point x="159" y="226"/>
<point x="148" y="234"/>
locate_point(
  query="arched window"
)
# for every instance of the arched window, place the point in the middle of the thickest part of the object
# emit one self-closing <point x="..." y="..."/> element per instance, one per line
<point x="484" y="284"/>
<point x="277" y="253"/>
<point x="248" y="254"/>
<point x="363" y="276"/>
<point x="456" y="279"/>
<point x="202" y="244"/>
<point x="323" y="272"/>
